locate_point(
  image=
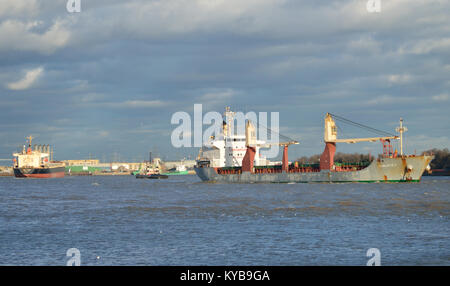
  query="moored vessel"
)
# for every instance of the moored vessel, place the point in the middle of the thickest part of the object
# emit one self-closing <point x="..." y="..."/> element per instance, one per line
<point x="36" y="162"/>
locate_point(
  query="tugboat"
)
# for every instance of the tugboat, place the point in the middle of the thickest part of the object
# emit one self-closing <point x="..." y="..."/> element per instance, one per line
<point x="151" y="172"/>
<point x="151" y="176"/>
<point x="157" y="176"/>
<point x="35" y="163"/>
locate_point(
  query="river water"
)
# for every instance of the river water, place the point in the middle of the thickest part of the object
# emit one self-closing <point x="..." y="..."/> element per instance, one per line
<point x="120" y="220"/>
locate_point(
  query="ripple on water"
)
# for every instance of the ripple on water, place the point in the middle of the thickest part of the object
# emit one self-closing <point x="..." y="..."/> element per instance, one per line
<point x="182" y="221"/>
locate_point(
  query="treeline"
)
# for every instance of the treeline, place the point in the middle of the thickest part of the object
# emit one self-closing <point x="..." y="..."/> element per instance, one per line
<point x="441" y="158"/>
<point x="338" y="158"/>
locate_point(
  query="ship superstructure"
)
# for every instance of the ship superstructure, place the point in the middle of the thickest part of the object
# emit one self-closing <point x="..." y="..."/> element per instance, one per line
<point x="228" y="148"/>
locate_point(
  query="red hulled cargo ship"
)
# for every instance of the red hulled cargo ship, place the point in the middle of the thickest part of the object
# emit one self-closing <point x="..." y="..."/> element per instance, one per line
<point x="35" y="163"/>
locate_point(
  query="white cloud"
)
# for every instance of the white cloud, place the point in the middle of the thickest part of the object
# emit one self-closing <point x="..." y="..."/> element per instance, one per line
<point x="103" y="133"/>
<point x="218" y="95"/>
<point x="142" y="103"/>
<point x="366" y="45"/>
<point x="426" y="46"/>
<point x="18" y="7"/>
<point x="441" y="97"/>
<point x="425" y="142"/>
<point x="90" y="97"/>
<point x="388" y="99"/>
<point x="21" y="36"/>
<point x="99" y="100"/>
<point x="399" y="78"/>
<point x="217" y="98"/>
<point x="30" y="77"/>
<point x="174" y="17"/>
<point x="291" y="55"/>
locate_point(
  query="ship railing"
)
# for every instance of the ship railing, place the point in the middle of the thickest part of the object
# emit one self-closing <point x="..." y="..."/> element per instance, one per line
<point x="203" y="163"/>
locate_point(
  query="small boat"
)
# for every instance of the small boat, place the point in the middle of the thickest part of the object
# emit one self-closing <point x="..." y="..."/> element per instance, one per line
<point x="151" y="176"/>
<point x="157" y="176"/>
<point x="150" y="172"/>
<point x="141" y="176"/>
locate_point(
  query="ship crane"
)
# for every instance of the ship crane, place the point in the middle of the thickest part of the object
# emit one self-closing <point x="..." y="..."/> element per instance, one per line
<point x="251" y="144"/>
<point x="330" y="138"/>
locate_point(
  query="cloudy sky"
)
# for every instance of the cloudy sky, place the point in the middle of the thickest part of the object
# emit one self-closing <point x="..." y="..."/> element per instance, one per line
<point x="105" y="82"/>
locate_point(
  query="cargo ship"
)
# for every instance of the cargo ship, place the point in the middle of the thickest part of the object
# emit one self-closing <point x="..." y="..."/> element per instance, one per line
<point x="389" y="167"/>
<point x="35" y="162"/>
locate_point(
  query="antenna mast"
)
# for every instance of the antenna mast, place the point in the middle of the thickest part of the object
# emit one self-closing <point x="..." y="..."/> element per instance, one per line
<point x="30" y="138"/>
<point x="400" y="130"/>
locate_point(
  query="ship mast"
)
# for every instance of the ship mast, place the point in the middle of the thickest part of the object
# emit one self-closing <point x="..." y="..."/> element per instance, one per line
<point x="228" y="128"/>
<point x="400" y="130"/>
<point x="30" y="138"/>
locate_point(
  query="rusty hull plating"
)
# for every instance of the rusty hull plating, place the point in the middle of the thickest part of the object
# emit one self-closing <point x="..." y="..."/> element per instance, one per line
<point x="400" y="169"/>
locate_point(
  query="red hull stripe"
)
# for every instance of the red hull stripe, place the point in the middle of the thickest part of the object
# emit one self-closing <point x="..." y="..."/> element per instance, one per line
<point x="50" y="175"/>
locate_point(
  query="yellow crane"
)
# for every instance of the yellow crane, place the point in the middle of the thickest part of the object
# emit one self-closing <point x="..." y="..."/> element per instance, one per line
<point x="330" y="134"/>
<point x="251" y="144"/>
<point x="330" y="138"/>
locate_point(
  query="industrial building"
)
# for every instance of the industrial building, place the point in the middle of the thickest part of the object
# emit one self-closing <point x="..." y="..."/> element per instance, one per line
<point x="94" y="166"/>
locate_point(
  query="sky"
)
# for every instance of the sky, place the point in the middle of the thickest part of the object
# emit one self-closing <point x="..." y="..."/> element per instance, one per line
<point x="104" y="83"/>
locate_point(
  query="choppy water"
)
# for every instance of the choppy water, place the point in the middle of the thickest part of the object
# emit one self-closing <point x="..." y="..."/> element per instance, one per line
<point x="120" y="220"/>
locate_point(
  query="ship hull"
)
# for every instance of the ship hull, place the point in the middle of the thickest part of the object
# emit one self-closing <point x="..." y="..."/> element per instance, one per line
<point x="176" y="173"/>
<point x="54" y="172"/>
<point x="406" y="169"/>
